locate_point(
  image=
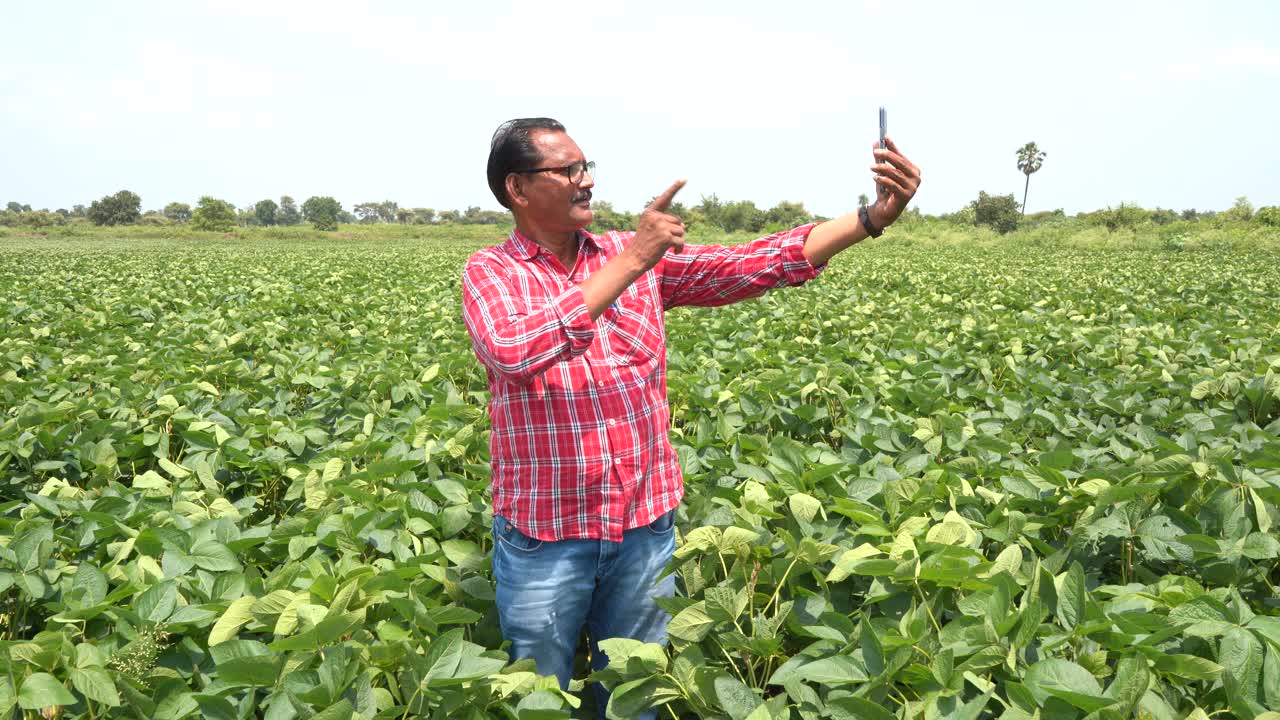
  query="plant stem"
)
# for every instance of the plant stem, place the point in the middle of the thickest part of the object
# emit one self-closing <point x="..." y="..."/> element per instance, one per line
<point x="732" y="664"/>
<point x="781" y="583"/>
<point x="927" y="609"/>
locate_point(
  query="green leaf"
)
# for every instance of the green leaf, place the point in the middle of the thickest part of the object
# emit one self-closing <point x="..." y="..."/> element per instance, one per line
<point x="631" y="698"/>
<point x="95" y="684"/>
<point x="834" y="670"/>
<point x="1071" y="597"/>
<point x="251" y="670"/>
<point x="237" y="614"/>
<point x="872" y="651"/>
<point x="1131" y="681"/>
<point x="856" y="708"/>
<point x="157" y="602"/>
<point x="88" y="586"/>
<point x="42" y="690"/>
<point x="691" y="624"/>
<point x="736" y="699"/>
<point x="213" y="556"/>
<point x="1241" y="657"/>
<point x="463" y="553"/>
<point x="804" y="507"/>
<point x="104" y="456"/>
<point x="341" y="710"/>
<point x="1190" y="667"/>
<point x="1067" y="681"/>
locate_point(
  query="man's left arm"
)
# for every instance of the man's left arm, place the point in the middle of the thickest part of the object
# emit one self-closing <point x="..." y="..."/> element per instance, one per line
<point x="897" y="180"/>
<point x="718" y="275"/>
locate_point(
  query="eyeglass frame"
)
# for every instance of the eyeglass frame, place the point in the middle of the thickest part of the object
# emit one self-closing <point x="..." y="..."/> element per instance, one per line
<point x="588" y="168"/>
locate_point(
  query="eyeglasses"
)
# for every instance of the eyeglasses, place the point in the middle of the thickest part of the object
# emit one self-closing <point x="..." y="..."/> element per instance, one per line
<point x="574" y="172"/>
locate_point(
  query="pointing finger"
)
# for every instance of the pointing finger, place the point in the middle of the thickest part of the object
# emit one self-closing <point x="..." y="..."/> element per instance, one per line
<point x="663" y="201"/>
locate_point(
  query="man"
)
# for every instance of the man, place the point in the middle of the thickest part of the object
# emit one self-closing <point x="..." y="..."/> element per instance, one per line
<point x="569" y="326"/>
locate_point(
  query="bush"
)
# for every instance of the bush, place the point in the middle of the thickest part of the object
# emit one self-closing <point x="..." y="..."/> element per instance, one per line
<point x="154" y="218"/>
<point x="41" y="219"/>
<point x="1124" y="216"/>
<point x="178" y="212"/>
<point x="1241" y="211"/>
<point x="999" y="212"/>
<point x="322" y="212"/>
<point x="1269" y="215"/>
<point x="213" y="214"/>
<point x="123" y="208"/>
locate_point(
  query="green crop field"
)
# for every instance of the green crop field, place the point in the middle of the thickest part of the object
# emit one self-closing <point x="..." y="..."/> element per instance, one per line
<point x="248" y="478"/>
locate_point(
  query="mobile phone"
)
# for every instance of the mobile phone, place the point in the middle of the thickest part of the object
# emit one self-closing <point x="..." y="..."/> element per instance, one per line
<point x="884" y="126"/>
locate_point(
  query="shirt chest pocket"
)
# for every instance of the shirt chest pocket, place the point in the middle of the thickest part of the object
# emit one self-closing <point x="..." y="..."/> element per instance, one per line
<point x="630" y="328"/>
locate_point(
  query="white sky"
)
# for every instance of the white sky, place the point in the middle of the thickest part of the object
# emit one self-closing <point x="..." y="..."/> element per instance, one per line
<point x="1160" y="103"/>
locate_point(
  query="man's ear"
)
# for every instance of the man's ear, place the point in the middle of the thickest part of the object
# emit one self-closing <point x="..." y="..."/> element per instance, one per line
<point x="515" y="190"/>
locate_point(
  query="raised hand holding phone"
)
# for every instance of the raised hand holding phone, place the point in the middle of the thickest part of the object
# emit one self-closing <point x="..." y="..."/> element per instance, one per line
<point x="897" y="179"/>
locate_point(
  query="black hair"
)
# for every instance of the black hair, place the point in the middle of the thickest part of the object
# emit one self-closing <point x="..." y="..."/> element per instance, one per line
<point x="512" y="150"/>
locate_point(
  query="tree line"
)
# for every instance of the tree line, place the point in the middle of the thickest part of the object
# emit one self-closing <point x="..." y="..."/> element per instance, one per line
<point x="326" y="213"/>
<point x="210" y="213"/>
<point x="1001" y="213"/>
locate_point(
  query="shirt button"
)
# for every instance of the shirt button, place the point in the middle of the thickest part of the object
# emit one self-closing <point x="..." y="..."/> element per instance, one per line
<point x="612" y="421"/>
<point x="617" y="461"/>
<point x="599" y="383"/>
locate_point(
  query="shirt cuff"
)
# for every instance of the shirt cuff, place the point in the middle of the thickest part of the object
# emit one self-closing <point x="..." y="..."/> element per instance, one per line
<point x="571" y="308"/>
<point x="795" y="267"/>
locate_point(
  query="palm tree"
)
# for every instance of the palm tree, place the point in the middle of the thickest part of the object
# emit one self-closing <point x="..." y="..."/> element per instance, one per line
<point x="1030" y="158"/>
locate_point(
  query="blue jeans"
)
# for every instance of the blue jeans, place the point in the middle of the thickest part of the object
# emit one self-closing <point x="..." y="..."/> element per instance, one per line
<point x="547" y="592"/>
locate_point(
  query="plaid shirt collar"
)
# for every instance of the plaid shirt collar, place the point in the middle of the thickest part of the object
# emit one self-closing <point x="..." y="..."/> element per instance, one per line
<point x="521" y="247"/>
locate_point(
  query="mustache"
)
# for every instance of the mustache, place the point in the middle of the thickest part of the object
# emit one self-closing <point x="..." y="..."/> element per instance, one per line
<point x="584" y="195"/>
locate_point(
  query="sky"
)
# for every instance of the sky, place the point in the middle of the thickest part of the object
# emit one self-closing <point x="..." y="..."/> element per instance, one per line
<point x="1169" y="104"/>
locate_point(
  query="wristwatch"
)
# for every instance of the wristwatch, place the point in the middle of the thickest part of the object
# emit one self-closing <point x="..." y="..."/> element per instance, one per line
<point x="865" y="218"/>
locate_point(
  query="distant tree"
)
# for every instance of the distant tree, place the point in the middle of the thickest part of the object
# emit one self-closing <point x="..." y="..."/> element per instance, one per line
<point x="40" y="219"/>
<point x="322" y="212"/>
<point x="178" y="212"/>
<point x="999" y="212"/>
<point x="1123" y="216"/>
<point x="449" y="216"/>
<point x="387" y="210"/>
<point x="863" y="199"/>
<point x="1190" y="214"/>
<point x="123" y="208"/>
<point x="368" y="212"/>
<point x="708" y="210"/>
<point x="154" y="217"/>
<point x="1030" y="158"/>
<point x="741" y="215"/>
<point x="1241" y="210"/>
<point x="79" y="211"/>
<point x="787" y="214"/>
<point x="606" y="218"/>
<point x="15" y="207"/>
<point x="265" y="212"/>
<point x="213" y="214"/>
<point x="404" y="215"/>
<point x="1268" y="215"/>
<point x="288" y="214"/>
<point x="423" y="216"/>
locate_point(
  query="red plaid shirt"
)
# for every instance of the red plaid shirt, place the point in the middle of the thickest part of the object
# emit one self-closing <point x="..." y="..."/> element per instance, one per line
<point x="580" y="445"/>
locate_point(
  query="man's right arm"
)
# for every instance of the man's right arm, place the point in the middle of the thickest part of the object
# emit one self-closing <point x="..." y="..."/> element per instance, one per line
<point x="513" y="341"/>
<point x="519" y="346"/>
